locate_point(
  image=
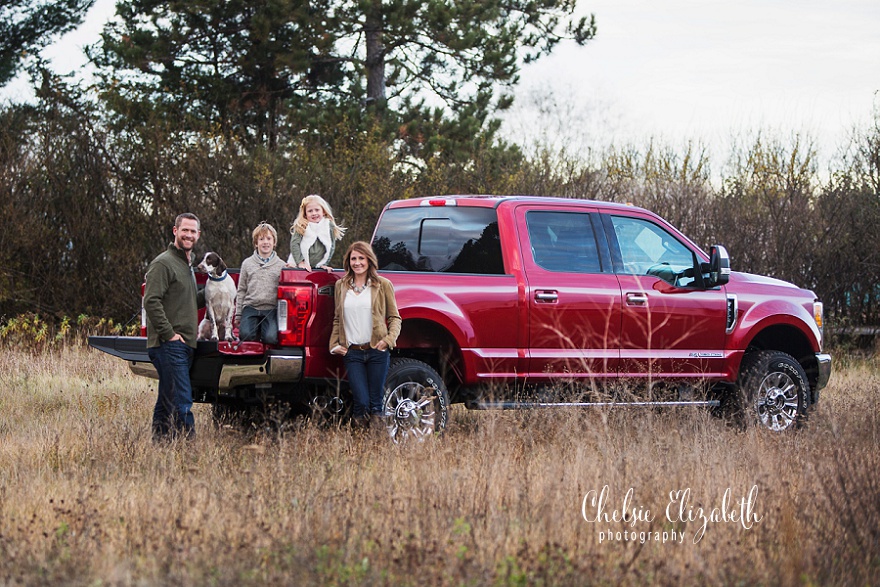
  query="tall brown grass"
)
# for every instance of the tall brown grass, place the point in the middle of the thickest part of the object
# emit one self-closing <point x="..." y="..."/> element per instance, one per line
<point x="87" y="498"/>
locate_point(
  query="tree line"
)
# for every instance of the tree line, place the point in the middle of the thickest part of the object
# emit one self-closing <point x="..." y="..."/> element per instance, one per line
<point x="86" y="209"/>
<point x="236" y="110"/>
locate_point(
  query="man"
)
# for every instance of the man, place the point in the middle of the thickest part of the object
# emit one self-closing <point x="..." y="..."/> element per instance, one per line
<point x="171" y="304"/>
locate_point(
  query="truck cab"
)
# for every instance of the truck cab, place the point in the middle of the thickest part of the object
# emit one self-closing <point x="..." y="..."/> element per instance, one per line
<point x="532" y="290"/>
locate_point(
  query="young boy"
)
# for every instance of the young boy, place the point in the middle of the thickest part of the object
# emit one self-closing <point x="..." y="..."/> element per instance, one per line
<point x="257" y="296"/>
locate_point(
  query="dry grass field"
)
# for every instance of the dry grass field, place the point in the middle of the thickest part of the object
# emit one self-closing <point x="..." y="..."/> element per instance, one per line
<point x="87" y="499"/>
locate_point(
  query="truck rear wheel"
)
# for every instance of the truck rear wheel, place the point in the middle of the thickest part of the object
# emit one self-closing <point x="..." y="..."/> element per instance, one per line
<point x="416" y="402"/>
<point x="773" y="390"/>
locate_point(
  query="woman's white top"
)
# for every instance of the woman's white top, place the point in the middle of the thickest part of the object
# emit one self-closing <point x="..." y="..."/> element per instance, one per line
<point x="358" y="316"/>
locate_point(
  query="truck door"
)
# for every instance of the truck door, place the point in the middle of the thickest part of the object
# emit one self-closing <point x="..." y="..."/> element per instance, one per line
<point x="671" y="327"/>
<point x="572" y="293"/>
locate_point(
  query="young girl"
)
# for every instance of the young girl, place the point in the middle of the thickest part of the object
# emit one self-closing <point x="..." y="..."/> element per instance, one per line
<point x="313" y="235"/>
<point x="255" y="305"/>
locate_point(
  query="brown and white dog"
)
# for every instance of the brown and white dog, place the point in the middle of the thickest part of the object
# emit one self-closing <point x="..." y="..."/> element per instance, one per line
<point x="219" y="299"/>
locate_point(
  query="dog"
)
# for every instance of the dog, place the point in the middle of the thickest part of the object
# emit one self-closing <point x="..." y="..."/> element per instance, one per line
<point x="220" y="294"/>
<point x="205" y="328"/>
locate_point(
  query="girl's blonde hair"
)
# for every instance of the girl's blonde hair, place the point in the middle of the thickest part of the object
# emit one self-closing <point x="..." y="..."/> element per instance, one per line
<point x="264" y="228"/>
<point x="299" y="225"/>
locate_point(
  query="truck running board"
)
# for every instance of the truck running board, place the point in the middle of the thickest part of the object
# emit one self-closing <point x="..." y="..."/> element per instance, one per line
<point x="531" y="405"/>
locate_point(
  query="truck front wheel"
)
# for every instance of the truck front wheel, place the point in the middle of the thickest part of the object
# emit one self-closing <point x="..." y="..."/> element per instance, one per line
<point x="416" y="402"/>
<point x="772" y="391"/>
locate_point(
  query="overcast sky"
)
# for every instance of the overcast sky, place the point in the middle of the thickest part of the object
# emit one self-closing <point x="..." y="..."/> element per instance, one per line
<point x="679" y="69"/>
<point x="708" y="69"/>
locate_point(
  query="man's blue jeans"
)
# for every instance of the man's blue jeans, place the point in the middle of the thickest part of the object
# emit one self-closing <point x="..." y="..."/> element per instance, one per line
<point x="367" y="371"/>
<point x="173" y="412"/>
<point x="258" y="325"/>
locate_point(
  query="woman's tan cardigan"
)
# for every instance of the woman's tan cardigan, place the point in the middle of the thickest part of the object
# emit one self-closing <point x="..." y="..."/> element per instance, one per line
<point x="386" y="320"/>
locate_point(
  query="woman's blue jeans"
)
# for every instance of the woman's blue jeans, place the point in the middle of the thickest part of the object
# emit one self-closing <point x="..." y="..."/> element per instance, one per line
<point x="367" y="371"/>
<point x="173" y="412"/>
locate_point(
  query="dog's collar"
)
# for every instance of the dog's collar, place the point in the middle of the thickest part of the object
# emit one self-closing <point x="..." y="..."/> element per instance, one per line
<point x="221" y="278"/>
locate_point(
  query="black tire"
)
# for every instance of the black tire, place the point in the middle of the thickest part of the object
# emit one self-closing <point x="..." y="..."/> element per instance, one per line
<point x="416" y="402"/>
<point x="229" y="413"/>
<point x="773" y="391"/>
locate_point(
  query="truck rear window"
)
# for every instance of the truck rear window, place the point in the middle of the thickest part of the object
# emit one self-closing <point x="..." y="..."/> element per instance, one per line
<point x="447" y="239"/>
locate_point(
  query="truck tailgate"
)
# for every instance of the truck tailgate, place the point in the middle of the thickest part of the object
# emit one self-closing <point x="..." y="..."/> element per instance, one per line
<point x="215" y="364"/>
<point x="129" y="348"/>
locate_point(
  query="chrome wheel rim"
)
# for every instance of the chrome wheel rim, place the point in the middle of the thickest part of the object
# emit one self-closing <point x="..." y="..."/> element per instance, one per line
<point x="410" y="412"/>
<point x="777" y="401"/>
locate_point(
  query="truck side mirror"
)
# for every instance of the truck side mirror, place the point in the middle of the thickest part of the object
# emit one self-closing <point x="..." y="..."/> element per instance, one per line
<point x="719" y="266"/>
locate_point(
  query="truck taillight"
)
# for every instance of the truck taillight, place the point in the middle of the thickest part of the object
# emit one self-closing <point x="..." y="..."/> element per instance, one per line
<point x="143" y="312"/>
<point x="294" y="310"/>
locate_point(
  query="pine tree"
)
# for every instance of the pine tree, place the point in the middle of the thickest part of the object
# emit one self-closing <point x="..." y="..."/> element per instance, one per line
<point x="27" y="26"/>
<point x="269" y="71"/>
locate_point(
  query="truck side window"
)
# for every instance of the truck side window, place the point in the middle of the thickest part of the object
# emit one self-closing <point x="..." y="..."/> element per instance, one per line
<point x="647" y="249"/>
<point x="442" y="239"/>
<point x="563" y="241"/>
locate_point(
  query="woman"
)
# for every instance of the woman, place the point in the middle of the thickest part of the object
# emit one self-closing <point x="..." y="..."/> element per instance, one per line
<point x="365" y="328"/>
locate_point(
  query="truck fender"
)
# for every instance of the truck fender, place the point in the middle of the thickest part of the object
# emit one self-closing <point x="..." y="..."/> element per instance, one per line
<point x="457" y="330"/>
<point x="431" y="305"/>
<point x="771" y="313"/>
<point x="776" y="326"/>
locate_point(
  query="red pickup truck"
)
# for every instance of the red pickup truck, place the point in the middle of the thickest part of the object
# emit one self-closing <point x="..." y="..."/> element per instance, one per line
<point x="514" y="302"/>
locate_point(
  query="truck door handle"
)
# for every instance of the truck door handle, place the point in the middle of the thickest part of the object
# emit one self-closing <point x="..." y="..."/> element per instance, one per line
<point x="636" y="299"/>
<point x="546" y="296"/>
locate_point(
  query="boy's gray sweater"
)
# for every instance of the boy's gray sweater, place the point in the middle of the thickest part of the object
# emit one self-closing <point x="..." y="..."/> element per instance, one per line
<point x="258" y="283"/>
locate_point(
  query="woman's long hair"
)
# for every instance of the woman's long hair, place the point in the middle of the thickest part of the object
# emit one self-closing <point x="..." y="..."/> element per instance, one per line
<point x="299" y="225"/>
<point x="372" y="263"/>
